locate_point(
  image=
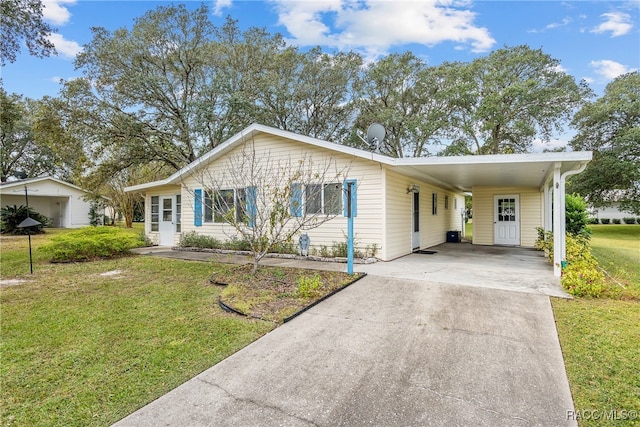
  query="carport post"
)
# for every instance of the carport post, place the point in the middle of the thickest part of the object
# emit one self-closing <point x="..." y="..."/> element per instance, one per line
<point x="558" y="217"/>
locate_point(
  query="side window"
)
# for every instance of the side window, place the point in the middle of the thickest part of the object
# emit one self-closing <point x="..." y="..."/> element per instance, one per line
<point x="155" y="213"/>
<point x="434" y="203"/>
<point x="178" y="213"/>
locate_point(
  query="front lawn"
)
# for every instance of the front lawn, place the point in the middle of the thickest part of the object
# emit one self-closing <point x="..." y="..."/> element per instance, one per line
<point x="85" y="344"/>
<point x="600" y="337"/>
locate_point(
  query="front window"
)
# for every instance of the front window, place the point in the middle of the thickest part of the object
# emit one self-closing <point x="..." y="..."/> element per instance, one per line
<point x="223" y="205"/>
<point x="155" y="213"/>
<point x="322" y="199"/>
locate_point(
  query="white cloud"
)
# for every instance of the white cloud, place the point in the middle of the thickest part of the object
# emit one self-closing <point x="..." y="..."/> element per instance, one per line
<point x="609" y="69"/>
<point x="54" y="12"/>
<point x="375" y="26"/>
<point x="220" y="5"/>
<point x="618" y="23"/>
<point x="66" y="48"/>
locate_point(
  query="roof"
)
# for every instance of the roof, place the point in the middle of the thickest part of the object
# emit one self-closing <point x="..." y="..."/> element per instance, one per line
<point x="456" y="172"/>
<point x="22" y="182"/>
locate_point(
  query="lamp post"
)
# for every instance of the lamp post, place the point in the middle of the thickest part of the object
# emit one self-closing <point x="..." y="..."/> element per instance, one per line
<point x="28" y="223"/>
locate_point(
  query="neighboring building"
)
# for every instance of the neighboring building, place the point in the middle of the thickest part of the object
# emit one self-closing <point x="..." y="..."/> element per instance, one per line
<point x="61" y="202"/>
<point x="403" y="204"/>
<point x="611" y="212"/>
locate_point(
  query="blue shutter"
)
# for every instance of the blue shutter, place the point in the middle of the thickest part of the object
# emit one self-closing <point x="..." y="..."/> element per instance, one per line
<point x="354" y="197"/>
<point x="197" y="208"/>
<point x="252" y="208"/>
<point x="296" y="200"/>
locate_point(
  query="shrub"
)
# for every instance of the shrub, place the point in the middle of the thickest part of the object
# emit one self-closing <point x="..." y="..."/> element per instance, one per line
<point x="581" y="277"/>
<point x="576" y="215"/>
<point x="91" y="243"/>
<point x="616" y="220"/>
<point x="309" y="287"/>
<point x="629" y="220"/>
<point x="604" y="220"/>
<point x="195" y="240"/>
<point x="12" y="216"/>
<point x="593" y="221"/>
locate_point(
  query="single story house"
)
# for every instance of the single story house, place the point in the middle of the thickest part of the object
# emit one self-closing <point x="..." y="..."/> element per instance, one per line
<point x="611" y="211"/>
<point x="63" y="203"/>
<point x="403" y="204"/>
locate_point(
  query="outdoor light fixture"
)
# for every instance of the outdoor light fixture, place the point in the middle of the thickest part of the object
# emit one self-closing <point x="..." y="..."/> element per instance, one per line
<point x="413" y="189"/>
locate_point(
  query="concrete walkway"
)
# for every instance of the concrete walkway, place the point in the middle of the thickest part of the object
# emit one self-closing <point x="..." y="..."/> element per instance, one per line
<point x="388" y="352"/>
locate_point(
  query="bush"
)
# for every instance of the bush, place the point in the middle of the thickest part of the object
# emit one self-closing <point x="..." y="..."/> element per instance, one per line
<point x="629" y="220"/>
<point x="593" y="221"/>
<point x="604" y="220"/>
<point x="12" y="216"/>
<point x="576" y="215"/>
<point x="581" y="277"/>
<point x="91" y="243"/>
<point x="616" y="220"/>
<point x="195" y="240"/>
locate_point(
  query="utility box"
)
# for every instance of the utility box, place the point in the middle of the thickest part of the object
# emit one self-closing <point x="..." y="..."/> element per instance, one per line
<point x="453" y="237"/>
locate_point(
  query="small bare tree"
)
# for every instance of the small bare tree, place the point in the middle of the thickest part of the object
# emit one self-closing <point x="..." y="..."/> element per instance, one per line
<point x="267" y="199"/>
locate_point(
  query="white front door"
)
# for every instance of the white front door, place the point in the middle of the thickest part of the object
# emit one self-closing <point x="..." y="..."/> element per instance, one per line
<point x="415" y="221"/>
<point x="166" y="221"/>
<point x="507" y="220"/>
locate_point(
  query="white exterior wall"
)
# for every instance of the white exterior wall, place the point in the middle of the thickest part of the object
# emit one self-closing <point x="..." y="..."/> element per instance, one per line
<point x="611" y="212"/>
<point x="169" y="190"/>
<point x="531" y="213"/>
<point x="63" y="205"/>
<point x="398" y="213"/>
<point x="367" y="225"/>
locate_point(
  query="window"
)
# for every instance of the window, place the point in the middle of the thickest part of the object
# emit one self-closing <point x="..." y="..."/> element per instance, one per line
<point x="455" y="203"/>
<point x="220" y="205"/>
<point x="208" y="206"/>
<point x="223" y="203"/>
<point x="155" y="213"/>
<point x="313" y="199"/>
<point x="332" y="199"/>
<point x="167" y="212"/>
<point x="446" y="202"/>
<point x="178" y="213"/>
<point x="318" y="199"/>
<point x="434" y="203"/>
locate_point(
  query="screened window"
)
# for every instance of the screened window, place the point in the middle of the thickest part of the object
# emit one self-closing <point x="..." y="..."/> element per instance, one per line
<point x="208" y="206"/>
<point x="155" y="213"/>
<point x="434" y="203"/>
<point x="322" y="199"/>
<point x="178" y="213"/>
<point x="223" y="204"/>
<point x="332" y="195"/>
<point x="313" y="199"/>
<point x="446" y="202"/>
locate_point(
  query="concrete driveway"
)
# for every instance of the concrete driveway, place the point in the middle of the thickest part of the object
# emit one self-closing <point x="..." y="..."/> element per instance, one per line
<point x="388" y="352"/>
<point x="497" y="267"/>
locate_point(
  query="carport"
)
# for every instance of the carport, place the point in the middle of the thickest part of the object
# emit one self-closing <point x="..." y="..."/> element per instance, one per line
<point x="501" y="179"/>
<point x="496" y="267"/>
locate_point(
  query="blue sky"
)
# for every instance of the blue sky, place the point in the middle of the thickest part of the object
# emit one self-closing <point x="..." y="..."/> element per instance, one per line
<point x="594" y="40"/>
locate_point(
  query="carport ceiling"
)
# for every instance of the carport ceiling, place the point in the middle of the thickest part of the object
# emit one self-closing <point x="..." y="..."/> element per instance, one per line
<point x="518" y="170"/>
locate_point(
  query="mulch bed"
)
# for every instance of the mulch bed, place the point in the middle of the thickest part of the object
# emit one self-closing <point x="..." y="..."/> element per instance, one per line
<point x="272" y="293"/>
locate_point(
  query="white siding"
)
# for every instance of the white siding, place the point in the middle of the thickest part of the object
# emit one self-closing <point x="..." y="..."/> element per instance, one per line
<point x="398" y="213"/>
<point x="367" y="225"/>
<point x="63" y="205"/>
<point x="531" y="213"/>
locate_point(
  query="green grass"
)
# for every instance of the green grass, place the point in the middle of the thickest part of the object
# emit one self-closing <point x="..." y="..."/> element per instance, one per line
<point x="80" y="348"/>
<point x="617" y="249"/>
<point x="600" y="343"/>
<point x="600" y="337"/>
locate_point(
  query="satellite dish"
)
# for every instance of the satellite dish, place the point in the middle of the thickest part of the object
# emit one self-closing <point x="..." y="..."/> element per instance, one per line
<point x="375" y="135"/>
